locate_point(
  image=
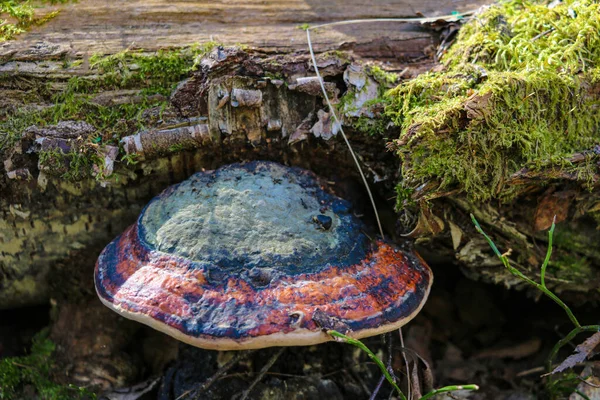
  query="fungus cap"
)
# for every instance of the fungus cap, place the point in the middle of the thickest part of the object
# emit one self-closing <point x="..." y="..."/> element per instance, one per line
<point x="249" y="255"/>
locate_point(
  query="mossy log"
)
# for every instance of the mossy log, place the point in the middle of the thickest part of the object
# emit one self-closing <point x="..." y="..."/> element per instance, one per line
<point x="87" y="139"/>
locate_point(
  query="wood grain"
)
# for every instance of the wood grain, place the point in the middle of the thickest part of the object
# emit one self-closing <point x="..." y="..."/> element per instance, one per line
<point x="109" y="26"/>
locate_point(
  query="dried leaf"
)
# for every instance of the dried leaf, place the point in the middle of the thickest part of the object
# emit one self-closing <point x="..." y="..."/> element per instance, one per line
<point x="134" y="392"/>
<point x="415" y="381"/>
<point x="515" y="352"/>
<point x="456" y="234"/>
<point x="428" y="224"/>
<point x="551" y="205"/>
<point x="426" y="375"/>
<point x="582" y="352"/>
<point x="589" y="386"/>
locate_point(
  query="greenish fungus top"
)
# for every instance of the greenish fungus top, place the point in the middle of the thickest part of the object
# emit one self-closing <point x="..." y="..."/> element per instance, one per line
<point x="236" y="215"/>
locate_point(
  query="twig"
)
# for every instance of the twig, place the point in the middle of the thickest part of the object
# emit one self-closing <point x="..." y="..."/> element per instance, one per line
<point x="336" y="119"/>
<point x="262" y="373"/>
<point x="409" y="386"/>
<point x="388" y="338"/>
<point x="390" y="356"/>
<point x="530" y="371"/>
<point x="539" y="35"/>
<point x="376" y="390"/>
<point x="23" y="365"/>
<point x="448" y="18"/>
<point x="220" y="372"/>
<point x="588" y="383"/>
<point x="372" y="356"/>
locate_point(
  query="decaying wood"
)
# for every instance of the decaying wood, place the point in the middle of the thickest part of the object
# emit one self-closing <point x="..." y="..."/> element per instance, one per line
<point x="228" y="111"/>
<point x="239" y="105"/>
<point x="50" y="224"/>
<point x="88" y="27"/>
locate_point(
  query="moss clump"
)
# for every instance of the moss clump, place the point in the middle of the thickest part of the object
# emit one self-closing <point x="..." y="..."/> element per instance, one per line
<point x="370" y="126"/>
<point x="523" y="35"/>
<point x="17" y="16"/>
<point x="371" y="122"/>
<point x="515" y="92"/>
<point x="384" y="78"/>
<point x="153" y="74"/>
<point x="573" y="269"/>
<point x="20" y="375"/>
<point x="73" y="165"/>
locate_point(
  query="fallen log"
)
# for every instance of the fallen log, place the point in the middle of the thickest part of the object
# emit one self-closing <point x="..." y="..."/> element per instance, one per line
<point x="88" y="140"/>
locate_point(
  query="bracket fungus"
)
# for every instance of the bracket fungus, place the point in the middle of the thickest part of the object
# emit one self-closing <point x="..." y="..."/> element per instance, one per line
<point x="257" y="255"/>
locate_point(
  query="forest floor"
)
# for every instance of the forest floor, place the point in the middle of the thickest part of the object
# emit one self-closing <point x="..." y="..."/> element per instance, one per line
<point x="468" y="332"/>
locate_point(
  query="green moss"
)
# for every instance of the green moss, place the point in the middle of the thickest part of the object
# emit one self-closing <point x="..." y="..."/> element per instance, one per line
<point x="343" y="56"/>
<point x="112" y="121"/>
<point x="274" y="75"/>
<point x="383" y="77"/>
<point x="370" y="126"/>
<point x="519" y="35"/>
<point x="16" y="16"/>
<point x="372" y="122"/>
<point x="34" y="371"/>
<point x="572" y="268"/>
<point x="174" y="148"/>
<point x="130" y="159"/>
<point x="153" y="74"/>
<point x="73" y="165"/>
<point x="514" y="93"/>
<point x="156" y="72"/>
<point x="404" y="197"/>
<point x="532" y="118"/>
